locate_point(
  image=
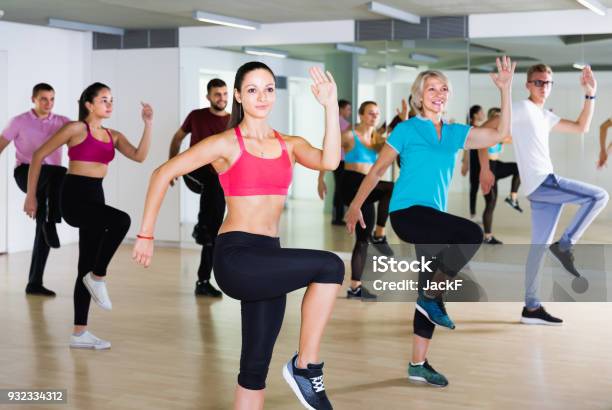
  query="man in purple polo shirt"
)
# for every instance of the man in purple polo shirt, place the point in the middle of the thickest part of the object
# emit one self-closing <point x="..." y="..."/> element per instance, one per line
<point x="29" y="131"/>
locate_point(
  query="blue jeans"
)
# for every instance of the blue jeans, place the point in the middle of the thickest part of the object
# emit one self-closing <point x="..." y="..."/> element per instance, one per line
<point x="546" y="205"/>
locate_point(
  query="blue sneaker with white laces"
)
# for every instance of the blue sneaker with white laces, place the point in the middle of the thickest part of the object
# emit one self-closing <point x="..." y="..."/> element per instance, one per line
<point x="434" y="310"/>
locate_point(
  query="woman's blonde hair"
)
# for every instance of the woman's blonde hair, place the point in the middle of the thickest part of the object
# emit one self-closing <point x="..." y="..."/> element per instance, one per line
<point x="416" y="102"/>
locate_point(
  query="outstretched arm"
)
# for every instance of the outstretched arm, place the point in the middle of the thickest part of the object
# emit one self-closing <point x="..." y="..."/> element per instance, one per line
<point x="603" y="150"/>
<point x="324" y="90"/>
<point x="385" y="158"/>
<point x="583" y="123"/>
<point x="205" y="152"/>
<point x="3" y="143"/>
<point x="57" y="140"/>
<point x="486" y="135"/>
<point x="139" y="153"/>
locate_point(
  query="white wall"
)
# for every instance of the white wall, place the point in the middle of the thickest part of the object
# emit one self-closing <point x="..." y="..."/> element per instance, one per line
<point x="149" y="75"/>
<point x="3" y="158"/>
<point x="39" y="54"/>
<point x="573" y="156"/>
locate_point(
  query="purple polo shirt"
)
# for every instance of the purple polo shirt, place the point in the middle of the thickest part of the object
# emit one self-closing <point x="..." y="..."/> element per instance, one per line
<point x="28" y="132"/>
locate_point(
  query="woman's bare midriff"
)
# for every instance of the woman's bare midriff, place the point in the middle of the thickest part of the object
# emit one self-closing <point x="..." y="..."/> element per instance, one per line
<point x="493" y="157"/>
<point x="259" y="214"/>
<point x="360" y="167"/>
<point x="87" y="169"/>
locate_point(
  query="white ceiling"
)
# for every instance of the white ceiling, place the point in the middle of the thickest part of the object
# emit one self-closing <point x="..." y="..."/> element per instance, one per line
<point x="138" y="14"/>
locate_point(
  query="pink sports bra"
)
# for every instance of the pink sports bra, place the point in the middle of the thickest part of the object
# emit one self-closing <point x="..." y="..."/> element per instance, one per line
<point x="93" y="150"/>
<point x="251" y="175"/>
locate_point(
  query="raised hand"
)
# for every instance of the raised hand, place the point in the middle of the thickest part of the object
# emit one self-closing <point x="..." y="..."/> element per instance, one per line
<point x="588" y="81"/>
<point x="147" y="112"/>
<point x="403" y="113"/>
<point x="505" y="72"/>
<point x="324" y="87"/>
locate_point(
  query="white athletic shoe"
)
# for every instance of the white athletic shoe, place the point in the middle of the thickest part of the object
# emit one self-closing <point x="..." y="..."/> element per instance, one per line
<point x="98" y="292"/>
<point x="88" y="341"/>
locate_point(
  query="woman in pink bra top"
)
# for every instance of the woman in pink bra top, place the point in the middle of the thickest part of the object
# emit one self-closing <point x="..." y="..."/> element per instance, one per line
<point x="101" y="228"/>
<point x="254" y="163"/>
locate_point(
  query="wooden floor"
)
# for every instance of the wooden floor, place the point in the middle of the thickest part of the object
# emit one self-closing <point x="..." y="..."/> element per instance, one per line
<point x="174" y="351"/>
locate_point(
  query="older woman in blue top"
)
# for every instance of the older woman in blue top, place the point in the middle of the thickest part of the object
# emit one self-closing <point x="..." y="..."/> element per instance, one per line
<point x="427" y="147"/>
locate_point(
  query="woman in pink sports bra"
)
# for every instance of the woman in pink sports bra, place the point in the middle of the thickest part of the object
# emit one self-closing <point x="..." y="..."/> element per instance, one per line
<point x="101" y="228"/>
<point x="254" y="163"/>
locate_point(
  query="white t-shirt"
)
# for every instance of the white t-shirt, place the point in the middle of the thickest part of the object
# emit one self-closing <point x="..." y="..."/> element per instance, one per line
<point x="531" y="127"/>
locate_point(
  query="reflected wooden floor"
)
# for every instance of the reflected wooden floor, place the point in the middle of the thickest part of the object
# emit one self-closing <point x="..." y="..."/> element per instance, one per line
<point x="174" y="351"/>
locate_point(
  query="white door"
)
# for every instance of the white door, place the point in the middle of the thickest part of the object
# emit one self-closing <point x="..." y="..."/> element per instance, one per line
<point x="4" y="163"/>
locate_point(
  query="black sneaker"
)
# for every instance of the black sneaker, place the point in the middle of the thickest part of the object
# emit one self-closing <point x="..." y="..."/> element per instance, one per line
<point x="539" y="317"/>
<point x="566" y="258"/>
<point x="492" y="241"/>
<point x="381" y="245"/>
<point x="35" y="289"/>
<point x="50" y="234"/>
<point x="359" y="293"/>
<point x="426" y="374"/>
<point x="206" y="289"/>
<point x="514" y="204"/>
<point x="307" y="384"/>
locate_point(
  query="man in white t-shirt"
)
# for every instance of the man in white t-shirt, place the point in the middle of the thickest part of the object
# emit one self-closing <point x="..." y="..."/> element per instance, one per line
<point x="546" y="191"/>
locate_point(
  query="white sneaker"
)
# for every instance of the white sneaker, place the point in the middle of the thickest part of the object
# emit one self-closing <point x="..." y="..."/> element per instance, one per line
<point x="88" y="341"/>
<point x="98" y="292"/>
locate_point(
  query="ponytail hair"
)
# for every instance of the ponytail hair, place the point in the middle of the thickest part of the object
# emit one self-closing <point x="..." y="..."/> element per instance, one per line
<point x="237" y="111"/>
<point x="87" y="96"/>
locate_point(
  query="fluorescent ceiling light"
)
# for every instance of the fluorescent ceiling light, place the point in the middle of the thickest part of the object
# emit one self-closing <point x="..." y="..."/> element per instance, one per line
<point x="425" y="58"/>
<point x="405" y="67"/>
<point x="225" y="20"/>
<point x="594" y="5"/>
<point x="76" y="25"/>
<point x="579" y="65"/>
<point x="388" y="11"/>
<point x="269" y="52"/>
<point x="351" y="49"/>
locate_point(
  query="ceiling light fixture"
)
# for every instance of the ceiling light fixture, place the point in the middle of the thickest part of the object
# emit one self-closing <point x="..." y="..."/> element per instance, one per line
<point x="579" y="65"/>
<point x="397" y="14"/>
<point x="405" y="67"/>
<point x="351" y="49"/>
<point x="595" y="6"/>
<point x="225" y="20"/>
<point x="425" y="58"/>
<point x="269" y="52"/>
<point x="77" y="25"/>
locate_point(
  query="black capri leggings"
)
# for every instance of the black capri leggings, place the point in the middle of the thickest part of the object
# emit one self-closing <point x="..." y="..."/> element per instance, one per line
<point x="474" y="179"/>
<point x="257" y="271"/>
<point x="381" y="194"/>
<point x="501" y="170"/>
<point x="451" y="239"/>
<point x="101" y="230"/>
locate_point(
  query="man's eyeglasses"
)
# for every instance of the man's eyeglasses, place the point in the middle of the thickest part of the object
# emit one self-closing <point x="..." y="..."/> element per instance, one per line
<point x="541" y="83"/>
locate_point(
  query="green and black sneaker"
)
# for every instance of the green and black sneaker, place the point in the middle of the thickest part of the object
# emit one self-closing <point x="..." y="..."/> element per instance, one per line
<point x="424" y="373"/>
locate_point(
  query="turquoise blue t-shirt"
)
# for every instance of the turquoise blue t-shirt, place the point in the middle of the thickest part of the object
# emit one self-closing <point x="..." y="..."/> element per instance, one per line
<point x="427" y="163"/>
<point x="496" y="149"/>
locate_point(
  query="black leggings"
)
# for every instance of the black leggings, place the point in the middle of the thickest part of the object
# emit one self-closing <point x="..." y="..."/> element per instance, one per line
<point x="338" y="202"/>
<point x="257" y="271"/>
<point x="452" y="240"/>
<point x="474" y="179"/>
<point x="101" y="230"/>
<point x="205" y="182"/>
<point x="381" y="194"/>
<point x="48" y="211"/>
<point x="501" y="170"/>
